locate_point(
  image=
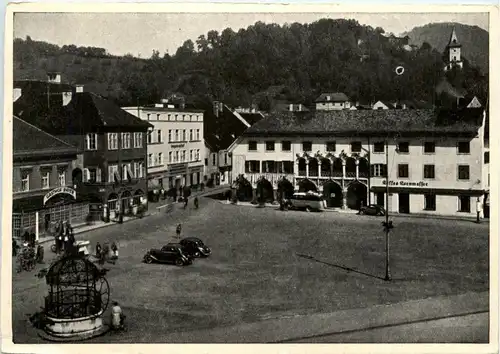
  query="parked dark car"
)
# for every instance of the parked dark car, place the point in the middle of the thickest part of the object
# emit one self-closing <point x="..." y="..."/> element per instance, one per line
<point x="195" y="247"/>
<point x="171" y="253"/>
<point x="372" y="209"/>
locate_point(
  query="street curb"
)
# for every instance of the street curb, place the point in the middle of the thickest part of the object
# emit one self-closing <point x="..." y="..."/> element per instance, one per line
<point x="316" y="325"/>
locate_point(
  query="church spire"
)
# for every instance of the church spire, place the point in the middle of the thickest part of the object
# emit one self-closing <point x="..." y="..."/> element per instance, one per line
<point x="454" y="39"/>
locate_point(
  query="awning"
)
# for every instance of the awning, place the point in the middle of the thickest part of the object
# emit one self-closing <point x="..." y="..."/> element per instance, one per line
<point x="440" y="191"/>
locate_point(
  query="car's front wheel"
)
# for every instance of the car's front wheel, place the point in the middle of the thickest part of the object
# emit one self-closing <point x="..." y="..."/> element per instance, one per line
<point x="179" y="262"/>
<point x="361" y="212"/>
<point x="308" y="209"/>
<point x="148" y="259"/>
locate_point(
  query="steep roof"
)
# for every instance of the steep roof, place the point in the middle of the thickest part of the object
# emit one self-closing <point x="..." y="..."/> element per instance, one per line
<point x="39" y="86"/>
<point x="220" y="132"/>
<point x="252" y="118"/>
<point x="453" y="42"/>
<point x="333" y="97"/>
<point x="369" y="122"/>
<point x="29" y="140"/>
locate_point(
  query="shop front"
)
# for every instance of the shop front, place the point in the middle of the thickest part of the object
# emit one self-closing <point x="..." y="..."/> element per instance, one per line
<point x="58" y="205"/>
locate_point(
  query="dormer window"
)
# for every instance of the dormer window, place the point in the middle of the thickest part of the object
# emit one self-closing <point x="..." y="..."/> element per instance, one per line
<point x="328" y="98"/>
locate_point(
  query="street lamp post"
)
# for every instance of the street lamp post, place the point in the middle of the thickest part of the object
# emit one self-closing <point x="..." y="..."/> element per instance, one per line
<point x="387" y="225"/>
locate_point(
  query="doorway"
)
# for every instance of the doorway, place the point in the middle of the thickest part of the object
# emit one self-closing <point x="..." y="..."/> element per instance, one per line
<point x="380" y="196"/>
<point x="404" y="203"/>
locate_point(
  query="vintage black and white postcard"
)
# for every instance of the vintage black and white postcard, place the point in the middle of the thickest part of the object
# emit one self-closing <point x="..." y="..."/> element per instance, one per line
<point x="228" y="174"/>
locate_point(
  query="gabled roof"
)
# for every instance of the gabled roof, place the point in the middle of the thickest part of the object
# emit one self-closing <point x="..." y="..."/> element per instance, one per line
<point x="28" y="140"/>
<point x="385" y="103"/>
<point x="369" y="122"/>
<point x="39" y="86"/>
<point x="333" y="97"/>
<point x="220" y="132"/>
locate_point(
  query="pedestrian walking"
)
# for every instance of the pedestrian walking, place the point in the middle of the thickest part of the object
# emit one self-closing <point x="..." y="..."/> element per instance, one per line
<point x="98" y="250"/>
<point x="185" y="202"/>
<point x="114" y="249"/>
<point x="479" y="209"/>
<point x="196" y="202"/>
<point x="39" y="253"/>
<point x="178" y="231"/>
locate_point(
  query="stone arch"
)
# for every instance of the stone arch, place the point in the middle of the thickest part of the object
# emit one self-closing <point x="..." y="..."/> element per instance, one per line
<point x="356" y="195"/>
<point x="265" y="191"/>
<point x="313" y="167"/>
<point x="137" y="196"/>
<point x="307" y="185"/>
<point x="285" y="189"/>
<point x="337" y="167"/>
<point x="363" y="168"/>
<point x="350" y="167"/>
<point x="301" y="161"/>
<point x="244" y="190"/>
<point x="326" y="167"/>
<point x="332" y="192"/>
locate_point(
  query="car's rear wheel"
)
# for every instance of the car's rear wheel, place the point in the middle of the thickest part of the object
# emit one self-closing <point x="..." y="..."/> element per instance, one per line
<point x="197" y="254"/>
<point x="308" y="209"/>
<point x="148" y="259"/>
<point x="179" y="262"/>
<point x="361" y="212"/>
<point x="379" y="213"/>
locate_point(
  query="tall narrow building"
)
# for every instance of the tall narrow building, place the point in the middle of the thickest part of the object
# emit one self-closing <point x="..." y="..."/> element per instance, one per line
<point x="453" y="52"/>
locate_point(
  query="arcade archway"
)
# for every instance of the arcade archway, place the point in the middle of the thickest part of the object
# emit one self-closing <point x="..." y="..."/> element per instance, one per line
<point x="307" y="185"/>
<point x="332" y="192"/>
<point x="356" y="195"/>
<point x="285" y="189"/>
<point x="265" y="191"/>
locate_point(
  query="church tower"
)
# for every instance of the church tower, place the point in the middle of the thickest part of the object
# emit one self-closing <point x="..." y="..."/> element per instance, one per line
<point x="453" y="52"/>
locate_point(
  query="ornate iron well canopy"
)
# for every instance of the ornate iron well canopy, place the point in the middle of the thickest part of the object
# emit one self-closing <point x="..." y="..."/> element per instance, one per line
<point x="78" y="296"/>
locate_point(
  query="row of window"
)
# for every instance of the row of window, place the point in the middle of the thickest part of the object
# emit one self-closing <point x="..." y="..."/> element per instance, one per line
<point x="129" y="171"/>
<point x="128" y="140"/>
<point x="464" y="203"/>
<point x="45" y="179"/>
<point x="356" y="146"/>
<point x="181" y="156"/>
<point x="177" y="117"/>
<point x="269" y="167"/>
<point x="177" y="135"/>
<point x="380" y="170"/>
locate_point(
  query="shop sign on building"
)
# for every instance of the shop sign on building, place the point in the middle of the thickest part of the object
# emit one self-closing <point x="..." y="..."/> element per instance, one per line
<point x="420" y="184"/>
<point x="60" y="190"/>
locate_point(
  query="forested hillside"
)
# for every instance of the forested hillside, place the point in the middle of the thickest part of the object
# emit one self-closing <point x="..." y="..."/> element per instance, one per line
<point x="245" y="67"/>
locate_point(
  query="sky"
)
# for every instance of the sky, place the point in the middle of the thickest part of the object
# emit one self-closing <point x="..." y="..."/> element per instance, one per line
<point x="141" y="33"/>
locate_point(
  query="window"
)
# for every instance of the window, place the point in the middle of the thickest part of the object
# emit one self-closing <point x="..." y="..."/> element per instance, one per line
<point x="25" y="181"/>
<point x="137" y="169"/>
<point x="287" y="167"/>
<point x="190" y="134"/>
<point x="183" y="117"/>
<point x="197" y="134"/>
<point x="183" y="156"/>
<point x="378" y="147"/>
<point x="112" y="141"/>
<point x="403" y="147"/>
<point x="379" y="170"/>
<point x="160" y="158"/>
<point x="92" y="176"/>
<point x="149" y="116"/>
<point x="286" y="145"/>
<point x="252" y="166"/>
<point x="252" y="146"/>
<point x="429" y="172"/>
<point x="184" y="135"/>
<point x="149" y="137"/>
<point x="170" y="156"/>
<point x="158" y="116"/>
<point x="61" y="178"/>
<point x="463" y="147"/>
<point x="486" y="157"/>
<point x="331" y="146"/>
<point x="197" y="156"/>
<point x="124" y="172"/>
<point x="430" y="202"/>
<point x="269" y="145"/>
<point x="125" y="140"/>
<point x="112" y="172"/>
<point x="45" y="179"/>
<point x="176" y="134"/>
<point x="464" y="204"/>
<point x="213" y="159"/>
<point x="225" y="158"/>
<point x="138" y="140"/>
<point x="356" y="146"/>
<point x="159" y="136"/>
<point x="150" y="160"/>
<point x="306" y="146"/>
<point x="429" y="147"/>
<point x="463" y="172"/>
<point x="170" y="135"/>
<point x="269" y="166"/>
<point x="91" y="141"/>
<point x="176" y="158"/>
<point x="403" y="171"/>
<point x="206" y="162"/>
<point x="191" y="155"/>
<point x="169" y="116"/>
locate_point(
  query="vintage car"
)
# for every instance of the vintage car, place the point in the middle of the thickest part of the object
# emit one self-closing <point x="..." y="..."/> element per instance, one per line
<point x="372" y="209"/>
<point x="307" y="201"/>
<point x="171" y="253"/>
<point x="195" y="247"/>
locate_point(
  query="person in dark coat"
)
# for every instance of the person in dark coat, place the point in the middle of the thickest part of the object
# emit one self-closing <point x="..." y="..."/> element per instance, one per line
<point x="196" y="202"/>
<point x="98" y="250"/>
<point x="178" y="231"/>
<point x="39" y="253"/>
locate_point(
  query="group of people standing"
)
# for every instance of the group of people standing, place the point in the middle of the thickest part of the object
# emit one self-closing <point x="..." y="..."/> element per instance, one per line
<point x="106" y="253"/>
<point x="64" y="237"/>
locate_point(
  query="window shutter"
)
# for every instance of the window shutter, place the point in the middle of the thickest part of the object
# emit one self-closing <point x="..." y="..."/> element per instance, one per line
<point x="98" y="174"/>
<point x="372" y="170"/>
<point x="86" y="175"/>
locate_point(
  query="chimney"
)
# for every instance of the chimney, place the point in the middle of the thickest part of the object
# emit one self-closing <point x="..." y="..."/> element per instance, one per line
<point x="158" y="105"/>
<point x="17" y="93"/>
<point x="78" y="88"/>
<point x="54" y="78"/>
<point x="66" y="97"/>
<point x="290" y="107"/>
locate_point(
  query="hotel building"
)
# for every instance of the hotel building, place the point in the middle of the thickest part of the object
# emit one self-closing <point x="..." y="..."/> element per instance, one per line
<point x="175" y="146"/>
<point x="434" y="159"/>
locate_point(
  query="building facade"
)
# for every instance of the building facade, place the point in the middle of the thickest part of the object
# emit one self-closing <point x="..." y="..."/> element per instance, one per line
<point x="175" y="145"/>
<point x="112" y="173"/>
<point x="433" y="165"/>
<point x="332" y="102"/>
<point x="453" y="52"/>
<point x="43" y="191"/>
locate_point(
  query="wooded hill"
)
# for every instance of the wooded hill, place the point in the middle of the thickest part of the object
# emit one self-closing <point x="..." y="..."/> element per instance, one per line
<point x="259" y="64"/>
